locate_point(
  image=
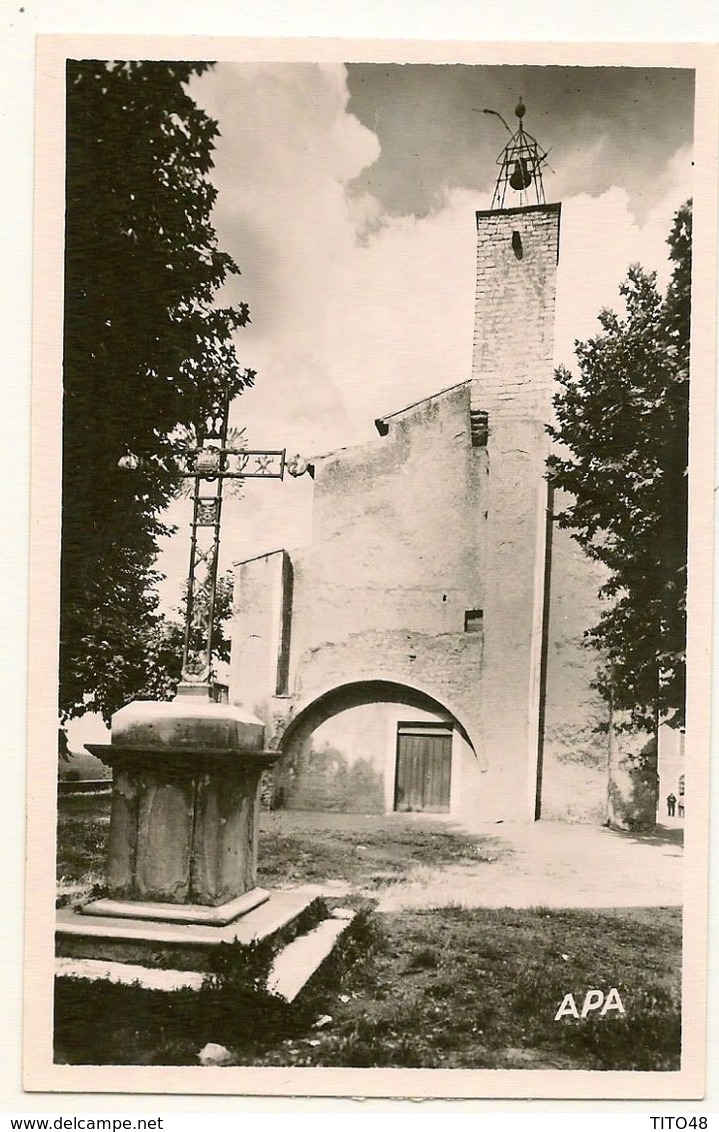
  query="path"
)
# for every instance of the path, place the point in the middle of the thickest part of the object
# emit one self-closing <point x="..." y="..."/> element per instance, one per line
<point x="552" y="864"/>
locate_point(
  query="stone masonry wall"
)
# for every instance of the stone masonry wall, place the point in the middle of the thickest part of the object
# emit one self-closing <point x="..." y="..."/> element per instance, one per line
<point x="383" y="592"/>
<point x="256" y="631"/>
<point x="395" y="562"/>
<point x="517" y="252"/>
<point x="574" y="782"/>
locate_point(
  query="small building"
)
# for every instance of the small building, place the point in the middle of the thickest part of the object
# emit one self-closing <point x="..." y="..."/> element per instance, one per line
<point x="424" y="652"/>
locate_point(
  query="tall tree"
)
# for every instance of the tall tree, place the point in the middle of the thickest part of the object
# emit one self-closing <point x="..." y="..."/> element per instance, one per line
<point x="622" y="421"/>
<point x="146" y="350"/>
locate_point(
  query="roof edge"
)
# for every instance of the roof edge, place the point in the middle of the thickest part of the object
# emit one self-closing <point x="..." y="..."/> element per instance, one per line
<point x="381" y="422"/>
<point x="556" y="207"/>
<point x="256" y="557"/>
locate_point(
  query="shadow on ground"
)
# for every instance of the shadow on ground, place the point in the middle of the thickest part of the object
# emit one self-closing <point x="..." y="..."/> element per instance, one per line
<point x="660" y="835"/>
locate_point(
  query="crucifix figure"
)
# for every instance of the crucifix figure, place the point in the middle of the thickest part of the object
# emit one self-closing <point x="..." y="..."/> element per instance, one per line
<point x="211" y="463"/>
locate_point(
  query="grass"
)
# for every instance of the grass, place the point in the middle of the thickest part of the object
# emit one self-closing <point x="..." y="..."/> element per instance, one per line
<point x="83" y="825"/>
<point x="473" y="988"/>
<point x="449" y="987"/>
<point x="363" y="851"/>
<point x="356" y="850"/>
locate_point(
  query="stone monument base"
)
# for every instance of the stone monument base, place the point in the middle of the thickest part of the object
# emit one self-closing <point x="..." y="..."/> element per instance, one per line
<point x="105" y="930"/>
<point x="179" y="913"/>
<point x="182" y="855"/>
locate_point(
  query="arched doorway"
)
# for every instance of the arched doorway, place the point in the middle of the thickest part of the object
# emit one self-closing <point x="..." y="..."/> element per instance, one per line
<point x="373" y="746"/>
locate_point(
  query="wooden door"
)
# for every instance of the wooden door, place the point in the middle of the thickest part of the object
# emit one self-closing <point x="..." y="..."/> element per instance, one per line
<point x="424" y="769"/>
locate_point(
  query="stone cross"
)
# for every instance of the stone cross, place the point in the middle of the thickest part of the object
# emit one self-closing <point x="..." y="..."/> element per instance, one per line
<point x="210" y="464"/>
<point x="187" y="773"/>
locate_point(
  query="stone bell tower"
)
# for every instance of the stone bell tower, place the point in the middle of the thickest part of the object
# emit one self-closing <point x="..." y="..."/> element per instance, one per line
<point x="512" y="379"/>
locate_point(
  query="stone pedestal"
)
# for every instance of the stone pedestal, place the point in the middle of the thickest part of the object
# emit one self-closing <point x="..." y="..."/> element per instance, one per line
<point x="182" y="858"/>
<point x="183" y="826"/>
<point x="185" y="804"/>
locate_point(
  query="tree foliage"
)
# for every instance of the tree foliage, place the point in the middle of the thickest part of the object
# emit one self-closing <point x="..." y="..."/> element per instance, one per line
<point x="622" y="421"/>
<point x="146" y="350"/>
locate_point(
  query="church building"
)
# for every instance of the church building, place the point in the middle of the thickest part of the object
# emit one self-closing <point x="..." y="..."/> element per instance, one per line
<point x="424" y="653"/>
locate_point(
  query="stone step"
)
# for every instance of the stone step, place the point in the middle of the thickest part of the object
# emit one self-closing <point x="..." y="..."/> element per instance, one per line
<point x="178" y="913"/>
<point x="129" y="974"/>
<point x="295" y="965"/>
<point x="274" y="914"/>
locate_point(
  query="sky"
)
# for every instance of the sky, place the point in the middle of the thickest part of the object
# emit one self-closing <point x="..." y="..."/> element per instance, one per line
<point x="347" y="195"/>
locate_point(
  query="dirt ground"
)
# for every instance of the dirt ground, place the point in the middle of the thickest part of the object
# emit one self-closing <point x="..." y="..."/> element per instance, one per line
<point x="542" y="864"/>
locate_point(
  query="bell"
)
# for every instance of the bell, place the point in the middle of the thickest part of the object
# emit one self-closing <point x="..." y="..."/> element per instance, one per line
<point x="521" y="177"/>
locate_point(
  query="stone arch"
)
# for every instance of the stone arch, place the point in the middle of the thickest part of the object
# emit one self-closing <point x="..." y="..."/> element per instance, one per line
<point x="307" y="776"/>
<point x="335" y="698"/>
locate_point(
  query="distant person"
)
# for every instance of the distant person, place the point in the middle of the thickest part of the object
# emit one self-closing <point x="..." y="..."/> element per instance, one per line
<point x="671" y="805"/>
<point x="680" y="809"/>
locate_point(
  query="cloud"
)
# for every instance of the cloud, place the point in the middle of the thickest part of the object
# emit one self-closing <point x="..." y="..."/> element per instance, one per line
<point x="603" y="125"/>
<point x="600" y="239"/>
<point x="357" y="311"/>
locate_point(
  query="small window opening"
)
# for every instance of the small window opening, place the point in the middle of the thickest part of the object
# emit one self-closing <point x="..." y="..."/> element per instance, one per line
<point x="473" y="620"/>
<point x="479" y="427"/>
